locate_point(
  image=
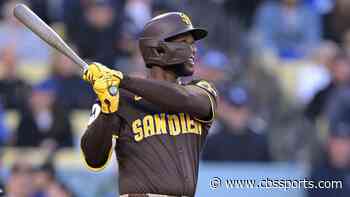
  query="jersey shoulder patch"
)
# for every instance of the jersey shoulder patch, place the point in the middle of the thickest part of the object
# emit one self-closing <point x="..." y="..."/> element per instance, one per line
<point x="212" y="93"/>
<point x="207" y="86"/>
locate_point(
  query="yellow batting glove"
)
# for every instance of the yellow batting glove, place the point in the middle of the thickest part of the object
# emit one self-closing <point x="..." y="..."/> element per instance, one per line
<point x="114" y="73"/>
<point x="97" y="70"/>
<point x="109" y="103"/>
<point x="94" y="72"/>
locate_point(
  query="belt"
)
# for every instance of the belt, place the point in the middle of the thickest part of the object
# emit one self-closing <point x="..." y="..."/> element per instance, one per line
<point x="148" y="195"/>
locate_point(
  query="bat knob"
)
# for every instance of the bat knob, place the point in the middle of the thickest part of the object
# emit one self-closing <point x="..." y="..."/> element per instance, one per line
<point x="113" y="90"/>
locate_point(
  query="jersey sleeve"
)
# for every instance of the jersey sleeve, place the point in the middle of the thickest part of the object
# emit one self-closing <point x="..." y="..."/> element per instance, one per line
<point x="212" y="94"/>
<point x="99" y="139"/>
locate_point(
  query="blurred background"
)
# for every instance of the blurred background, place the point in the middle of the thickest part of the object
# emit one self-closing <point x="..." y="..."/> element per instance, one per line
<point x="282" y="68"/>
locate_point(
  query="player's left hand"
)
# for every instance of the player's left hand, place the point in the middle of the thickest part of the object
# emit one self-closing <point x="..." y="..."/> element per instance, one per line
<point x="97" y="70"/>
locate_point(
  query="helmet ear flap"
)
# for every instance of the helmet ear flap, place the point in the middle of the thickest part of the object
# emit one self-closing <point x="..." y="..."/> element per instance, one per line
<point x="163" y="53"/>
<point x="159" y="51"/>
<point x="153" y="51"/>
<point x="163" y="50"/>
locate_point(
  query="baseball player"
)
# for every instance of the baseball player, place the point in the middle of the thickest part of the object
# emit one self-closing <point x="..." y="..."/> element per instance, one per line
<point x="158" y="125"/>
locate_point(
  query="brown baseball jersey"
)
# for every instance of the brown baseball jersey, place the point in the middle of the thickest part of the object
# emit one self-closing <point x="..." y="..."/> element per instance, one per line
<point x="157" y="151"/>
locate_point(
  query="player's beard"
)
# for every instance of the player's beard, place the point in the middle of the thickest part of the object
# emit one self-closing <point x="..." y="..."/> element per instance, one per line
<point x="183" y="70"/>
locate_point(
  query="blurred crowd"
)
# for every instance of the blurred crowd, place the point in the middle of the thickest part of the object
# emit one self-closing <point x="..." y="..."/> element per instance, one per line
<point x="282" y="68"/>
<point x="40" y="181"/>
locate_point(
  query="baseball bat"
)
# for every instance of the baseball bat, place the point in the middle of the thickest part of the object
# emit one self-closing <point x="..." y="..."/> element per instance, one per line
<point x="46" y="33"/>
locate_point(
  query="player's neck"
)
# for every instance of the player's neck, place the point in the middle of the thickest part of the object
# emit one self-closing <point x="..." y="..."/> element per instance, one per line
<point x="161" y="74"/>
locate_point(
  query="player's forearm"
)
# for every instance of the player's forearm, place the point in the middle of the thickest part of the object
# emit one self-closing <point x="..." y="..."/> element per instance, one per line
<point x="96" y="142"/>
<point x="169" y="96"/>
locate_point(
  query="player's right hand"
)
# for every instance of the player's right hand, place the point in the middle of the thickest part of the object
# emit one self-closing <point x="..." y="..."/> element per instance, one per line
<point x="109" y="103"/>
